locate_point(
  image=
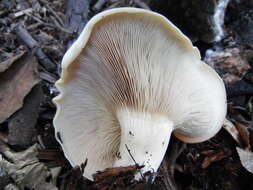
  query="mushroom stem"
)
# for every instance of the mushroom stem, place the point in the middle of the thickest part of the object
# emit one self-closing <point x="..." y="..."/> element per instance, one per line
<point x="144" y="139"/>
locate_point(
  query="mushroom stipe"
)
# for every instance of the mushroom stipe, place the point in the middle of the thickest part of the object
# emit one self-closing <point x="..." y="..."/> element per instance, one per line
<point x="131" y="79"/>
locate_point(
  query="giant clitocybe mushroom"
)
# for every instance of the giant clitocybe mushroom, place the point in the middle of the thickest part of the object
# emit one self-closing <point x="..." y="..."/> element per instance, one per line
<point x="128" y="82"/>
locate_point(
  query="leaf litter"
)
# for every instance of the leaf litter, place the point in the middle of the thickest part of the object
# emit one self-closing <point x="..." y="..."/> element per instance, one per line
<point x="199" y="166"/>
<point x="26" y="170"/>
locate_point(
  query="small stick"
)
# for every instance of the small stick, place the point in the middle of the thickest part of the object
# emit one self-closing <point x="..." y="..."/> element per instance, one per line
<point x="26" y="37"/>
<point x="113" y="5"/>
<point x="53" y="12"/>
<point x="57" y="26"/>
<point x="141" y="4"/>
<point x="33" y="26"/>
<point x="99" y="4"/>
<point x="23" y="12"/>
<point x="128" y="150"/>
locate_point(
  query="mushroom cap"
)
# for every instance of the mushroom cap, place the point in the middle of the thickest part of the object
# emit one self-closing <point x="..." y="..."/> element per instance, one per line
<point x="135" y="59"/>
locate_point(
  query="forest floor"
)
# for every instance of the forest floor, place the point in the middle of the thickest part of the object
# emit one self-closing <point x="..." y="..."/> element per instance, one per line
<point x="35" y="34"/>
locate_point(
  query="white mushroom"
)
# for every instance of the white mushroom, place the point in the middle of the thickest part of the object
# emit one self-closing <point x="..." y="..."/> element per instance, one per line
<point x="130" y="79"/>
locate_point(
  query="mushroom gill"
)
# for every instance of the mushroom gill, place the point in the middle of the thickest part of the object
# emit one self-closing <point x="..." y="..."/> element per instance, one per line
<point x="132" y="78"/>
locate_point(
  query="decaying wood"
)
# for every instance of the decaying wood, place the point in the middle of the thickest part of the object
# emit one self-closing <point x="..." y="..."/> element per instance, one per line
<point x="26" y="37"/>
<point x="115" y="172"/>
<point x="71" y="179"/>
<point x="104" y="180"/>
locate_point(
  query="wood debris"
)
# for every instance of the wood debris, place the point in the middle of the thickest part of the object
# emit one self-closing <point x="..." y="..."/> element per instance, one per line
<point x="34" y="46"/>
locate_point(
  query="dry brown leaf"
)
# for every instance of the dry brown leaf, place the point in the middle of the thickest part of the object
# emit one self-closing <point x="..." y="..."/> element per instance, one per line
<point x="239" y="133"/>
<point x="7" y="63"/>
<point x="232" y="130"/>
<point x="15" y="84"/>
<point x="244" y="135"/>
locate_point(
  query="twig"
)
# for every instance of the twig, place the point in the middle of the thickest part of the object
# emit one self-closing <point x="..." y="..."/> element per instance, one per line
<point x="141" y="4"/>
<point x="58" y="26"/>
<point x="99" y="4"/>
<point x="83" y="165"/>
<point x="23" y="12"/>
<point x="113" y="5"/>
<point x="34" y="26"/>
<point x="40" y="141"/>
<point x="128" y="150"/>
<point x="48" y="24"/>
<point x="25" y="36"/>
<point x="45" y="3"/>
<point x="47" y="77"/>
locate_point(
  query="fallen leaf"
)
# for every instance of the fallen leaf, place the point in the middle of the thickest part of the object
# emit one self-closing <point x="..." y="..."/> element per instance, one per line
<point x="232" y="130"/>
<point x="7" y="63"/>
<point x="239" y="133"/>
<point x="26" y="170"/>
<point x="15" y="84"/>
<point x="244" y="135"/>
<point x="246" y="158"/>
